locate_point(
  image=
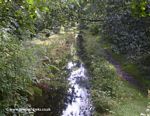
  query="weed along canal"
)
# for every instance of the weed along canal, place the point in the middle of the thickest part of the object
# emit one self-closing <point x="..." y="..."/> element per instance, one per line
<point x="78" y="101"/>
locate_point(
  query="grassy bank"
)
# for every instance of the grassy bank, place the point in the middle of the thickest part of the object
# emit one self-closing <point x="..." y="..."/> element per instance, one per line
<point x="111" y="95"/>
<point x="51" y="56"/>
<point x="135" y="70"/>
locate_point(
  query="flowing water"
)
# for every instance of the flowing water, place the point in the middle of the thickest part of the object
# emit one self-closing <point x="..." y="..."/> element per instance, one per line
<point x="78" y="101"/>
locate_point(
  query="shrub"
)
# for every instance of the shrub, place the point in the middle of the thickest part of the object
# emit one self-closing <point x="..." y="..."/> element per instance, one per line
<point x="15" y="72"/>
<point x="94" y="29"/>
<point x="128" y="34"/>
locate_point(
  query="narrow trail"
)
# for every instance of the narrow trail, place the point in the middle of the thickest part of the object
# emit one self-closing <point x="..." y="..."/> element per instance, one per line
<point x="78" y="100"/>
<point x="124" y="74"/>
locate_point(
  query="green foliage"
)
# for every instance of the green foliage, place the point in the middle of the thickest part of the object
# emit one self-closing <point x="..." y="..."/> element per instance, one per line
<point x="124" y="24"/>
<point x="16" y="19"/>
<point x="104" y="84"/>
<point x="140" y="8"/>
<point x="20" y="20"/>
<point x="127" y="34"/>
<point x="15" y="73"/>
<point x="32" y="16"/>
<point x="110" y="94"/>
<point x="94" y="29"/>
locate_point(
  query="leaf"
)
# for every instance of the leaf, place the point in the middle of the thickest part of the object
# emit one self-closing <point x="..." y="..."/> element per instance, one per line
<point x="31" y="2"/>
<point x="53" y="67"/>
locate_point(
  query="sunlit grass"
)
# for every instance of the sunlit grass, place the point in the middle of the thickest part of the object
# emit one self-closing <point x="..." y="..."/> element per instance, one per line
<point x="52" y="39"/>
<point x="51" y="53"/>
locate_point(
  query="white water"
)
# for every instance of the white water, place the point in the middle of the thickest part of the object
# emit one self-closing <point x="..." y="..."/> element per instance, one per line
<point x="78" y="99"/>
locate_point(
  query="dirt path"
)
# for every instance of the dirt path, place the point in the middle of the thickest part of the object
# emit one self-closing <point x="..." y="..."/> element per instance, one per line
<point x="124" y="75"/>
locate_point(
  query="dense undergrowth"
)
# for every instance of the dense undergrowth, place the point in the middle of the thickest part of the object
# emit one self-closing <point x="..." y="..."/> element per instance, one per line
<point x="111" y="95"/>
<point x="28" y="71"/>
<point x="50" y="86"/>
<point x="16" y="72"/>
<point x="34" y="72"/>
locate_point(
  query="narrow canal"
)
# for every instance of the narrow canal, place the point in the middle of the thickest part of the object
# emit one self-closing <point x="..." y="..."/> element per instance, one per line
<point x="78" y="101"/>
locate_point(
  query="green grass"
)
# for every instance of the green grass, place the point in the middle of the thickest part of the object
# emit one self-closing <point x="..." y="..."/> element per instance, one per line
<point x="132" y="68"/>
<point x="126" y="65"/>
<point x="132" y="102"/>
<point x="110" y="94"/>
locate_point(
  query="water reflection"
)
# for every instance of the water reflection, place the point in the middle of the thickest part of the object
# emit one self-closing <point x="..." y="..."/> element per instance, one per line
<point x="78" y="100"/>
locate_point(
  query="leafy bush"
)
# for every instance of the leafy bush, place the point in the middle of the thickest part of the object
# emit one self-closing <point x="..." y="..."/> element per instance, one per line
<point x="127" y="34"/>
<point x="15" y="72"/>
<point x="94" y="29"/>
<point x="140" y="8"/>
<point x="104" y="85"/>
